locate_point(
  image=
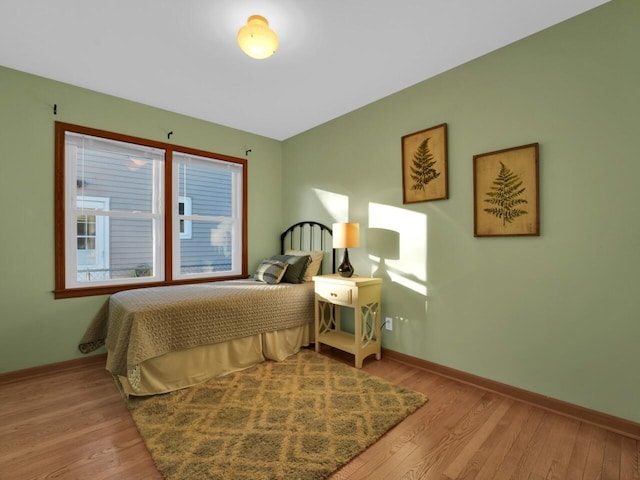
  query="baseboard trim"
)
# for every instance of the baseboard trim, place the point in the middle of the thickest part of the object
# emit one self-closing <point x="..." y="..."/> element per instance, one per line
<point x="603" y="420"/>
<point x="44" y="370"/>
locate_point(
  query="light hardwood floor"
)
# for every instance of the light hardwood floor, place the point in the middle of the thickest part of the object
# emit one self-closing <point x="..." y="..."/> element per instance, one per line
<point x="73" y="424"/>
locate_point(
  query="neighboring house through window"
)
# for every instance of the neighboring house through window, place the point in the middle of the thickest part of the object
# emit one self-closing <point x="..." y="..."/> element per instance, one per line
<point x="92" y="239"/>
<point x="184" y="210"/>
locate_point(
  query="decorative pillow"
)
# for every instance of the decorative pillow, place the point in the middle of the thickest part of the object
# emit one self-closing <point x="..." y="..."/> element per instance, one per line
<point x="270" y="271"/>
<point x="314" y="266"/>
<point x="297" y="267"/>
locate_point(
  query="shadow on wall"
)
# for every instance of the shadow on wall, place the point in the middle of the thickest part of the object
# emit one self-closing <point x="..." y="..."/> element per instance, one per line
<point x="384" y="244"/>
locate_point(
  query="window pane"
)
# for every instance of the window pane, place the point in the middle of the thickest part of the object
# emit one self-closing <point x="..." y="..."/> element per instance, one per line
<point x="131" y="253"/>
<point x="109" y="175"/>
<point x="122" y="172"/>
<point x="209" y="250"/>
<point x="132" y="248"/>
<point x="207" y="183"/>
<point x="118" y="207"/>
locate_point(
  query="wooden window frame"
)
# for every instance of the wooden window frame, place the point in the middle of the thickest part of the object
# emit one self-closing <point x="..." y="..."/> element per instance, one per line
<point x="61" y="290"/>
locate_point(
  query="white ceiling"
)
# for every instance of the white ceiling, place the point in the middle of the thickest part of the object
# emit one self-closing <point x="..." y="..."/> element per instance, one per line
<point x="334" y="56"/>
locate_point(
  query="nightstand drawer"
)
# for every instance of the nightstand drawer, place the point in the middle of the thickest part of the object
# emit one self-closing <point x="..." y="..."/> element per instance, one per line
<point x="335" y="293"/>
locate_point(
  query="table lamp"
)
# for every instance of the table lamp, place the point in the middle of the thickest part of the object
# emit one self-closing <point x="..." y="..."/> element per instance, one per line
<point x="346" y="235"/>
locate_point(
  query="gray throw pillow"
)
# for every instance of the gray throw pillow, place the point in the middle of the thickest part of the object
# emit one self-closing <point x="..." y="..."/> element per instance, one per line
<point x="297" y="266"/>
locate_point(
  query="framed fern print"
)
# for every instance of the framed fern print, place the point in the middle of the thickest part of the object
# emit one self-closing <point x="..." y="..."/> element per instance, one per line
<point x="424" y="165"/>
<point x="505" y="191"/>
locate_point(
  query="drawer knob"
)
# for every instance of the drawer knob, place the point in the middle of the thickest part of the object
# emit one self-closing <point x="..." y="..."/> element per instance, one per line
<point x="334" y="294"/>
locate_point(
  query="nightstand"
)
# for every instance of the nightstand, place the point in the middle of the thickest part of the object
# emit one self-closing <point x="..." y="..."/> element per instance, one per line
<point x="362" y="294"/>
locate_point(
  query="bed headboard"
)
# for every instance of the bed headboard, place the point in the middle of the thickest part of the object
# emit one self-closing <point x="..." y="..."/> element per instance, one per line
<point x="310" y="235"/>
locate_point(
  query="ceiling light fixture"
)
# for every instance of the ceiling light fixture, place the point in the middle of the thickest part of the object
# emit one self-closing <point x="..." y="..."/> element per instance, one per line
<point x="256" y="39"/>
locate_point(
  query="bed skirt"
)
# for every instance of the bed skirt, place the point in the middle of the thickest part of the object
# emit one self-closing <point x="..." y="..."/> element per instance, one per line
<point x="184" y="368"/>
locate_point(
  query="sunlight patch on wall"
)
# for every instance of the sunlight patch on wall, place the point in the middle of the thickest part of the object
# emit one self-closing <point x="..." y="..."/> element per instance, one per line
<point x="406" y="262"/>
<point x="336" y="205"/>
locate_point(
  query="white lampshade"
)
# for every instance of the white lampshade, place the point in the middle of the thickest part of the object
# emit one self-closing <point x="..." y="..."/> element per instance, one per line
<point x="256" y="39"/>
<point x="346" y="235"/>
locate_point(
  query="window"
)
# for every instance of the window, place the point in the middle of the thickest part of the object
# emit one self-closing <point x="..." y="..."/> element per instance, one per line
<point x="131" y="212"/>
<point x="210" y="216"/>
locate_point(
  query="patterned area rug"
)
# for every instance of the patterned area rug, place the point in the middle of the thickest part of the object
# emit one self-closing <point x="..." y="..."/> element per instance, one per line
<point x="302" y="418"/>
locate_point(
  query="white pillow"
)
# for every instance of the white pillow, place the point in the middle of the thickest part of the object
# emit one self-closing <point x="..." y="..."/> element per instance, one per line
<point x="314" y="266"/>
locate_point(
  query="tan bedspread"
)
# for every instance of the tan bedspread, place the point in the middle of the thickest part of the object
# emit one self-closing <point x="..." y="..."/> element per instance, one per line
<point x="136" y="325"/>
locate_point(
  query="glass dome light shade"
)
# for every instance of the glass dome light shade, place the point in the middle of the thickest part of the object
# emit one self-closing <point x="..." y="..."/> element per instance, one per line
<point x="256" y="39"/>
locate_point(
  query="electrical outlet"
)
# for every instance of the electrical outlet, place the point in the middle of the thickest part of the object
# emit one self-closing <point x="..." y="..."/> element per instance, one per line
<point x="388" y="323"/>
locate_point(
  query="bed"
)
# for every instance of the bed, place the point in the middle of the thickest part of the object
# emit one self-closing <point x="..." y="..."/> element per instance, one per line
<point x="160" y="339"/>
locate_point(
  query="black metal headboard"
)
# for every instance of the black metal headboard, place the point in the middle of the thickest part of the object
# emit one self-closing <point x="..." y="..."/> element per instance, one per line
<point x="309" y="235"/>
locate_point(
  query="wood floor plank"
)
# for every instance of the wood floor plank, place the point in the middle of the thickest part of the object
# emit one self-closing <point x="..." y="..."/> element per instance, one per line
<point x="611" y="457"/>
<point x="529" y="460"/>
<point x="515" y="454"/>
<point x="593" y="465"/>
<point x="73" y="424"/>
<point x="559" y="449"/>
<point x="629" y="459"/>
<point x="433" y="460"/>
<point x="580" y="451"/>
<point x="493" y="453"/>
<point x="461" y="461"/>
<point x="56" y="425"/>
<point x="545" y="460"/>
<point x="73" y="460"/>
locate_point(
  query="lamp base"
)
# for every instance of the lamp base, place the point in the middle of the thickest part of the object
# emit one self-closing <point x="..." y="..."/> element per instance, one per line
<point x="345" y="269"/>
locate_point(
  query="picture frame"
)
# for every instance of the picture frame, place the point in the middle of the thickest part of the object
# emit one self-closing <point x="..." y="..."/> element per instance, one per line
<point x="425" y="165"/>
<point x="506" y="192"/>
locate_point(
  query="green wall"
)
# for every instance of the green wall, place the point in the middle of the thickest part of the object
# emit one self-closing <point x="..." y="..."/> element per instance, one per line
<point x="35" y="329"/>
<point x="557" y="314"/>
